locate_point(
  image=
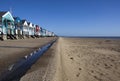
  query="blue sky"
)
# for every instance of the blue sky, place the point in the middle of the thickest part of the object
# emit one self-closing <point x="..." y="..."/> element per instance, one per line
<point x="69" y="17"/>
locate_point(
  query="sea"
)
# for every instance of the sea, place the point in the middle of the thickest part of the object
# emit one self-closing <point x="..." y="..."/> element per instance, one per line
<point x="98" y="37"/>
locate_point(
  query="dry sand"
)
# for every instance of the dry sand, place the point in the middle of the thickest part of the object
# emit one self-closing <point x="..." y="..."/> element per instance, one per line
<point x="13" y="50"/>
<point x="78" y="59"/>
<point x="89" y="60"/>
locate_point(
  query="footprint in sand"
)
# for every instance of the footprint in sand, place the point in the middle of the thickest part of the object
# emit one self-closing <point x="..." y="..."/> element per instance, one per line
<point x="80" y="68"/>
<point x="77" y="75"/>
<point x="92" y="71"/>
<point x="72" y="58"/>
<point x="97" y="78"/>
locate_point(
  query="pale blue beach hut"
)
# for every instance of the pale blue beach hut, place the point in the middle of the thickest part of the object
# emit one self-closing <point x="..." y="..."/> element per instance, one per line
<point x="6" y="25"/>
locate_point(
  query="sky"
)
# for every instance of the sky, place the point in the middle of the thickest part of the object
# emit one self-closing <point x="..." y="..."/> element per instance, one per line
<point x="69" y="17"/>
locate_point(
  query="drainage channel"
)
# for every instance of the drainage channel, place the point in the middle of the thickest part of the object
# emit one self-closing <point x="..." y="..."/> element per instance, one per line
<point x="17" y="70"/>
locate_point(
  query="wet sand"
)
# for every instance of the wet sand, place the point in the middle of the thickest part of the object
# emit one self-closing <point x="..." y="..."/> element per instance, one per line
<point x="13" y="50"/>
<point x="78" y="59"/>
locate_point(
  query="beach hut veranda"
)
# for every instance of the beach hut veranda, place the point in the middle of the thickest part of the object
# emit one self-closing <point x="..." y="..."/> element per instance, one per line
<point x="6" y="25"/>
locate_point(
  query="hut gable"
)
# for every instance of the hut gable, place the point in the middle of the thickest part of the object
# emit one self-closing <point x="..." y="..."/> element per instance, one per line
<point x="24" y="22"/>
<point x="6" y="14"/>
<point x="17" y="19"/>
<point x="30" y="24"/>
<point x="33" y="25"/>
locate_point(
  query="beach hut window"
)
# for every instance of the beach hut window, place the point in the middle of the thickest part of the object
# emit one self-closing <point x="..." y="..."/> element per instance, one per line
<point x="0" y="24"/>
<point x="8" y="23"/>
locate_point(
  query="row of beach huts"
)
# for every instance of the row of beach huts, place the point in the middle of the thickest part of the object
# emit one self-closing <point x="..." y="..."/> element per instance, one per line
<point x="16" y="28"/>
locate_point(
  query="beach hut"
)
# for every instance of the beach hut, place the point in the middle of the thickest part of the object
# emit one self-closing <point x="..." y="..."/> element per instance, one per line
<point x="53" y="34"/>
<point x="49" y="34"/>
<point x="37" y="31"/>
<point x="43" y="32"/>
<point x="46" y="33"/>
<point x="34" y="30"/>
<point x="6" y="25"/>
<point x="18" y="27"/>
<point x="31" y="29"/>
<point x="25" y="29"/>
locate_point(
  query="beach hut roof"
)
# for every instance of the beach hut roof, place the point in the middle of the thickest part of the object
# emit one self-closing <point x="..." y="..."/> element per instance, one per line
<point x="16" y="17"/>
<point x="2" y="13"/>
<point x="37" y="25"/>
<point x="28" y="23"/>
<point x="23" y="21"/>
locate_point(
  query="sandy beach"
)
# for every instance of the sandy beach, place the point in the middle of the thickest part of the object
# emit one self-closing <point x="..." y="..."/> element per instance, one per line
<point x="90" y="59"/>
<point x="60" y="40"/>
<point x="13" y="50"/>
<point x="78" y="59"/>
